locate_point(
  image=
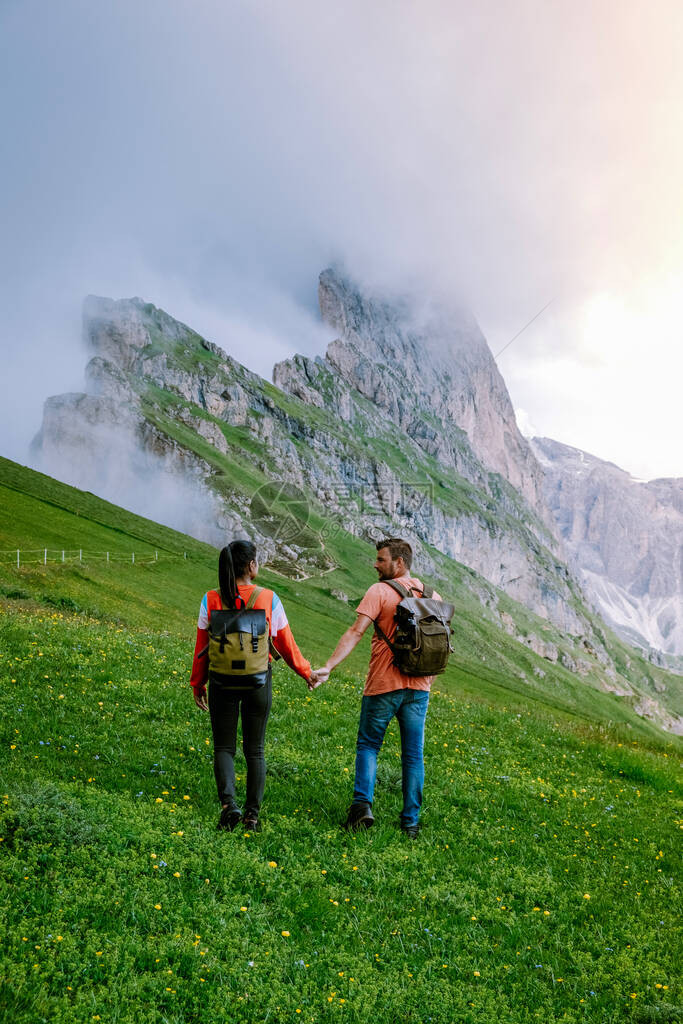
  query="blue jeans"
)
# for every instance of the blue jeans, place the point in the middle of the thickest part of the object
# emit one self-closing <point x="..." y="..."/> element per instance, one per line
<point x="410" y="708"/>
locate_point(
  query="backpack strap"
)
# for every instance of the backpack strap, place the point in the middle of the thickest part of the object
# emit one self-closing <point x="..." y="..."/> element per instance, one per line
<point x="380" y="632"/>
<point x="400" y="590"/>
<point x="250" y="604"/>
<point x="252" y="600"/>
<point x="426" y="591"/>
<point x="402" y="593"/>
<point x="275" y="655"/>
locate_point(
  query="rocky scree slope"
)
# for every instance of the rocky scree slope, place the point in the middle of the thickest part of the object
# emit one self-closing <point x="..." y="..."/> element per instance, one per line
<point x="625" y="537"/>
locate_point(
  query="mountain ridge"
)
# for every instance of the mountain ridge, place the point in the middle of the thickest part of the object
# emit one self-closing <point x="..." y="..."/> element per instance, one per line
<point x="625" y="538"/>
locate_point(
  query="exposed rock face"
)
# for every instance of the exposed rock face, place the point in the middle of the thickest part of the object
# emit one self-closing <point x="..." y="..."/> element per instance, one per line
<point x="419" y="365"/>
<point x="104" y="441"/>
<point x="430" y="372"/>
<point x="626" y="537"/>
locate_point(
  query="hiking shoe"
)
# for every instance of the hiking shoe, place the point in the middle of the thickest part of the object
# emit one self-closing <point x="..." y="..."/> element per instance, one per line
<point x="411" y="831"/>
<point x="359" y="816"/>
<point x="229" y="819"/>
<point x="251" y="824"/>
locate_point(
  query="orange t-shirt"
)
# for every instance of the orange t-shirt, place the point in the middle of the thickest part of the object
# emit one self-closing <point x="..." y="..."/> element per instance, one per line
<point x="379" y="604"/>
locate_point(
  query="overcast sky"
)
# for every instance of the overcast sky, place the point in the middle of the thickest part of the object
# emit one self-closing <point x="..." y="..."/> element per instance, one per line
<point x="214" y="156"/>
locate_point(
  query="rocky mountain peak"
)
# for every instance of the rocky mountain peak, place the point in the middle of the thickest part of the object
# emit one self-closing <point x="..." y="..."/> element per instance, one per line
<point x="430" y="338"/>
<point x="124" y="332"/>
<point x="428" y="367"/>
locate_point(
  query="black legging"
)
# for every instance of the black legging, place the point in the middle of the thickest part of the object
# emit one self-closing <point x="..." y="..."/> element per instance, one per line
<point x="224" y="708"/>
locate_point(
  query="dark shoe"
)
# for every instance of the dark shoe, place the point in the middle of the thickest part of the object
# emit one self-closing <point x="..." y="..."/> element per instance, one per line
<point x="359" y="816"/>
<point x="410" y="830"/>
<point x="229" y="819"/>
<point x="251" y="824"/>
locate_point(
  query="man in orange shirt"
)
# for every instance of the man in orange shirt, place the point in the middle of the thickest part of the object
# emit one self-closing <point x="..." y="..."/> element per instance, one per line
<point x="387" y="692"/>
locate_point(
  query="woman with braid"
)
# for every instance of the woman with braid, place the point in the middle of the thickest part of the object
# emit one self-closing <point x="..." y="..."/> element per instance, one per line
<point x="237" y="569"/>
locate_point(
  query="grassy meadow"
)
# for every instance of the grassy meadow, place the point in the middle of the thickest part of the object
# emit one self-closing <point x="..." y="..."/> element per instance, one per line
<point x="544" y="886"/>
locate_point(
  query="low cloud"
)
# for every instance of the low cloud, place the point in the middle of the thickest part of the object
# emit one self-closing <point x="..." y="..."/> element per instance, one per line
<point x="108" y="459"/>
<point x="214" y="158"/>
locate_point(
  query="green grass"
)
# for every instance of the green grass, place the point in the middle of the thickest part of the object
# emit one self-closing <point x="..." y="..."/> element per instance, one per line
<point x="544" y="886"/>
<point x="37" y="512"/>
<point x="50" y="495"/>
<point x="131" y="903"/>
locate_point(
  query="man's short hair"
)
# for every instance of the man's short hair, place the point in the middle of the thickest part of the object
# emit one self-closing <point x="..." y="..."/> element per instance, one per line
<point x="398" y="548"/>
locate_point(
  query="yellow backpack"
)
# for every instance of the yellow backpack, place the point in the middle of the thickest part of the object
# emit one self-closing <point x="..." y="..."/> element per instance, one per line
<point x="238" y="645"/>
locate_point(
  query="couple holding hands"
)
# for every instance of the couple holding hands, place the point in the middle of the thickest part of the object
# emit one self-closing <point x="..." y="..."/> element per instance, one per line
<point x="387" y="693"/>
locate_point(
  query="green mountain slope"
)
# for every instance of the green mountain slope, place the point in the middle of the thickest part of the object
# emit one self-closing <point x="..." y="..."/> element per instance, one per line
<point x="544" y="886"/>
<point x="162" y="589"/>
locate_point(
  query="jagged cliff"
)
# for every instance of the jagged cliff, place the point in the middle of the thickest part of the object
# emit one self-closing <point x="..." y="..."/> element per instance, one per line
<point x="432" y="372"/>
<point x="625" y="537"/>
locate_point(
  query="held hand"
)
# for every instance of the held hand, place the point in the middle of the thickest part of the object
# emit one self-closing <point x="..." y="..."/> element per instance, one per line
<point x="200" y="698"/>
<point x="320" y="675"/>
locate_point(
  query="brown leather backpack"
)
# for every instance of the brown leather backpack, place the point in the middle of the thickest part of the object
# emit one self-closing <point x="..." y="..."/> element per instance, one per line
<point x="422" y="642"/>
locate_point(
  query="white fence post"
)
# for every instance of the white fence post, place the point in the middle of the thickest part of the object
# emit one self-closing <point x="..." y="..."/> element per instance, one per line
<point x="46" y="552"/>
